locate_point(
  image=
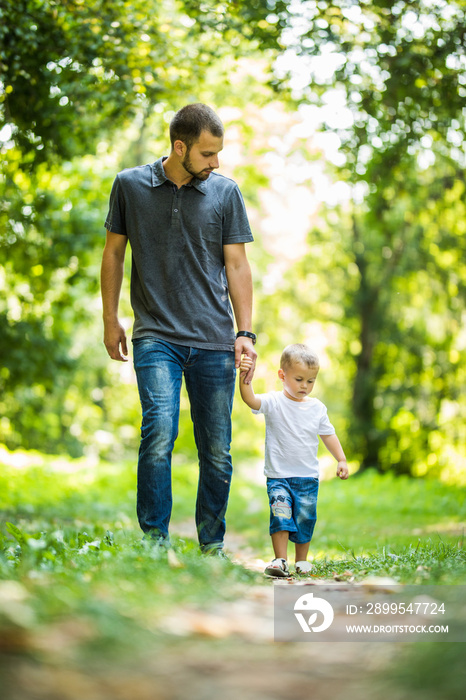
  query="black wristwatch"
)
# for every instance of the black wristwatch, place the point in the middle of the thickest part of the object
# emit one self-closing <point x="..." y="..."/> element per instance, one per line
<point x="247" y="334"/>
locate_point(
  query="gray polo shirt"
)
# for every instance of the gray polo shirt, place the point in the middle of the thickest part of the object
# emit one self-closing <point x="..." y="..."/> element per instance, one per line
<point x="179" y="290"/>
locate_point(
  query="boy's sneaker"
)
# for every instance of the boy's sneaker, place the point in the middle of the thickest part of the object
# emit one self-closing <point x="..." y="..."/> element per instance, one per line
<point x="278" y="568"/>
<point x="303" y="567"/>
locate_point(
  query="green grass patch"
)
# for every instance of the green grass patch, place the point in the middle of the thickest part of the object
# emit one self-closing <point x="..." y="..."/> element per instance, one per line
<point x="409" y="529"/>
<point x="71" y="550"/>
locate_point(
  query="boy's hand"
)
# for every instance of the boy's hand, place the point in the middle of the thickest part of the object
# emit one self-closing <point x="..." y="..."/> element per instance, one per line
<point x="342" y="469"/>
<point x="245" y="366"/>
<point x="244" y="346"/>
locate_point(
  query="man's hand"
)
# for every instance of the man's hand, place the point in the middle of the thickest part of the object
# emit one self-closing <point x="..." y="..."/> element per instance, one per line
<point x="244" y="346"/>
<point x="112" y="271"/>
<point x="114" y="339"/>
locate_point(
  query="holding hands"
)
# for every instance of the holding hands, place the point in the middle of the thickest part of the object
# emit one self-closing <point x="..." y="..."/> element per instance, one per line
<point x="245" y="366"/>
<point x="244" y="349"/>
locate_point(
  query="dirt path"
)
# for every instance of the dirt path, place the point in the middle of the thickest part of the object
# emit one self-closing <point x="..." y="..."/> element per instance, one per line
<point x="225" y="652"/>
<point x="199" y="670"/>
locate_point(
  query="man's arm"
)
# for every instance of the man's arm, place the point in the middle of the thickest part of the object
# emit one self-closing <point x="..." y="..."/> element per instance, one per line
<point x="332" y="443"/>
<point x="239" y="280"/>
<point x="111" y="277"/>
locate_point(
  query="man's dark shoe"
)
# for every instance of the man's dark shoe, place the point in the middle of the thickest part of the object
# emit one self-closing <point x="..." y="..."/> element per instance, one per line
<point x="156" y="542"/>
<point x="214" y="551"/>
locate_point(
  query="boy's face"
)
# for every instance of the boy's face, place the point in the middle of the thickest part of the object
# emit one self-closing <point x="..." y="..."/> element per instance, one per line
<point x="298" y="380"/>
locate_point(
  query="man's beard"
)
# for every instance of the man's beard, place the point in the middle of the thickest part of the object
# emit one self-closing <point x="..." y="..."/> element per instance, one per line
<point x="187" y="165"/>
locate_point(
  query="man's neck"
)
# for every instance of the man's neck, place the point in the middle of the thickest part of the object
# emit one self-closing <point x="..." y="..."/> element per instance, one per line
<point x="175" y="172"/>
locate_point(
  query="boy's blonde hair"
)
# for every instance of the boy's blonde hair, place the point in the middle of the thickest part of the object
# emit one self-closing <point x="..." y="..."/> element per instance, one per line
<point x="298" y="352"/>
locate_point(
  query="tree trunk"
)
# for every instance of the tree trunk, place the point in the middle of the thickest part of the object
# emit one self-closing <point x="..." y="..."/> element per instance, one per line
<point x="364" y="387"/>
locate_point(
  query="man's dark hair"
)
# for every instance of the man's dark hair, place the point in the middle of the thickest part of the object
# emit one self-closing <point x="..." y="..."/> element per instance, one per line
<point x="190" y="121"/>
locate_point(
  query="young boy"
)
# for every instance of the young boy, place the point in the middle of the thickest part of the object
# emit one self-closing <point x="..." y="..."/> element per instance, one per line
<point x="293" y="422"/>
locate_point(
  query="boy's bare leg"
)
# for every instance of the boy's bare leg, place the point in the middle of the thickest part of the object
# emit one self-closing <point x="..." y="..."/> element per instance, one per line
<point x="280" y="544"/>
<point x="302" y="550"/>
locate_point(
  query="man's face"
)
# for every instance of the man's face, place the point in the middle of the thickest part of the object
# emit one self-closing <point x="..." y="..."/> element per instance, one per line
<point x="202" y="158"/>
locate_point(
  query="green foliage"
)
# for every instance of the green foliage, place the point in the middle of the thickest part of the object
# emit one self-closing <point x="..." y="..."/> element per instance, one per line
<point x="391" y="270"/>
<point x="49" y="273"/>
<point x="429" y="671"/>
<point x="84" y="87"/>
<point x="400" y="67"/>
<point x="261" y="23"/>
<point x="392" y="277"/>
<point x="87" y="88"/>
<point x="72" y="71"/>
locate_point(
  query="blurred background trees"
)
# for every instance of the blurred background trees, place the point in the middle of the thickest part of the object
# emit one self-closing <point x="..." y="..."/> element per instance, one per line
<point x="397" y="70"/>
<point x="349" y="115"/>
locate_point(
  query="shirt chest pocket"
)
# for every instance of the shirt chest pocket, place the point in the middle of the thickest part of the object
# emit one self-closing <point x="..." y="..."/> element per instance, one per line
<point x="202" y="219"/>
<point x="212" y="232"/>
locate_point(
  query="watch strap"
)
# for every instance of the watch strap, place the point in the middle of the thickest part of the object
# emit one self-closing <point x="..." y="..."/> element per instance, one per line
<point x="247" y="334"/>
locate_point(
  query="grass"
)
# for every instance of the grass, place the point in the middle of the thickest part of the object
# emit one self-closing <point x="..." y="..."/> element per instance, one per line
<point x="410" y="529"/>
<point x="70" y="541"/>
<point x="69" y="538"/>
<point x="78" y="584"/>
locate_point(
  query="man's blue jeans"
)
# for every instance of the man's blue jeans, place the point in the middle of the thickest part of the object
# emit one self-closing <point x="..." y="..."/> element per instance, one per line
<point x="210" y="382"/>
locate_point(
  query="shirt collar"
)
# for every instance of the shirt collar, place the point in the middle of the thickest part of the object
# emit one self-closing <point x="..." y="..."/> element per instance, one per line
<point x="159" y="177"/>
<point x="158" y="173"/>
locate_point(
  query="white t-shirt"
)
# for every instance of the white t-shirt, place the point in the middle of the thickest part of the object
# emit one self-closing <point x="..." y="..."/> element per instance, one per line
<point x="292" y="430"/>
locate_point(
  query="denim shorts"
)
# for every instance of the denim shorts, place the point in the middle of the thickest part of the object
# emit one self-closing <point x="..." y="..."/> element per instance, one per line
<point x="293" y="506"/>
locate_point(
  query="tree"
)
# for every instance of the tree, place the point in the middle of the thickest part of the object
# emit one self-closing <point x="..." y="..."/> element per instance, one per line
<point x="399" y="70"/>
<point x="73" y="77"/>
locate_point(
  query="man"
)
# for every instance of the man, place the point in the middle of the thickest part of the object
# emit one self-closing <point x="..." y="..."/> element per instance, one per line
<point x="187" y="227"/>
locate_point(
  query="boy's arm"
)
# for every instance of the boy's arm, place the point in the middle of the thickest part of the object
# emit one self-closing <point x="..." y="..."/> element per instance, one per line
<point x="246" y="390"/>
<point x="332" y="443"/>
